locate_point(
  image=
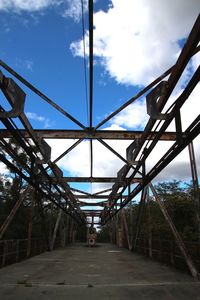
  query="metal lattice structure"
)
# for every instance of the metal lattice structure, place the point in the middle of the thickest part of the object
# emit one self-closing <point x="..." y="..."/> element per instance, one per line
<point x="44" y="176"/>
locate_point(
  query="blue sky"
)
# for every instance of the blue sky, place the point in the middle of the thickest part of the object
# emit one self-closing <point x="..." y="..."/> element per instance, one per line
<point x="134" y="42"/>
<point x="37" y="45"/>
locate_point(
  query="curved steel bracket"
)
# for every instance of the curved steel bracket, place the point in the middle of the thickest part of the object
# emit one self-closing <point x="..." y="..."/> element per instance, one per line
<point x="56" y="170"/>
<point x="153" y="102"/>
<point x="115" y="187"/>
<point x="131" y="152"/>
<point x="66" y="187"/>
<point x="121" y="175"/>
<point x="46" y="152"/>
<point x="15" y="96"/>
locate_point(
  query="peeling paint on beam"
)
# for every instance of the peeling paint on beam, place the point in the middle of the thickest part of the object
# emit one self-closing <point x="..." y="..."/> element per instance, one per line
<point x="87" y="134"/>
<point x="96" y="197"/>
<point x="96" y="179"/>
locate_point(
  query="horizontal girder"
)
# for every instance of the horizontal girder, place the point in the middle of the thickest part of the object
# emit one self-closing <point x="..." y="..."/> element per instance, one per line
<point x="90" y="134"/>
<point x="96" y="179"/>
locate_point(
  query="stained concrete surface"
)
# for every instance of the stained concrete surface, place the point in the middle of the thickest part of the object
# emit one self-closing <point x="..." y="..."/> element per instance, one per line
<point x="104" y="272"/>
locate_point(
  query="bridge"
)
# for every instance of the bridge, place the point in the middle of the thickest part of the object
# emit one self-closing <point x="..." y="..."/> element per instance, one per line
<point x="57" y="264"/>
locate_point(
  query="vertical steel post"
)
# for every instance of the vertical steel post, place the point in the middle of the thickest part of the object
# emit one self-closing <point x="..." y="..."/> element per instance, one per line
<point x="63" y="228"/>
<point x="71" y="231"/>
<point x="17" y="250"/>
<point x="112" y="230"/>
<point x="140" y="215"/>
<point x="50" y="223"/>
<point x="30" y="224"/>
<point x="195" y="185"/>
<point x="5" y="251"/>
<point x="131" y="226"/>
<point x="43" y="221"/>
<point x="56" y="229"/>
<point x="131" y="220"/>
<point x="149" y="223"/>
<point x="116" y="228"/>
<point x="126" y="228"/>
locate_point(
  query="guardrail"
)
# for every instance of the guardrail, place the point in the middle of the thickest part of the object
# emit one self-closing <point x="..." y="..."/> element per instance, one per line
<point x="12" y="251"/>
<point x="166" y="251"/>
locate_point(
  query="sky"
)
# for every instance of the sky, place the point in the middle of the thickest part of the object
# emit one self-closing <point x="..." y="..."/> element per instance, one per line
<point x="134" y="42"/>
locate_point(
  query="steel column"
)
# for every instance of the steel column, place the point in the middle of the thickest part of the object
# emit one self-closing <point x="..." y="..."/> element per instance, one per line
<point x="55" y="229"/>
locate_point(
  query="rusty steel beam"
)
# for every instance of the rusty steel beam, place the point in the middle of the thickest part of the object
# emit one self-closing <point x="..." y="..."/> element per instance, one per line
<point x="113" y="151"/>
<point x="79" y="191"/>
<point x="91" y="196"/>
<point x="87" y="134"/>
<point x="90" y="214"/>
<point x="92" y="223"/>
<point x="97" y="179"/>
<point x="68" y="150"/>
<point x="92" y="211"/>
<point x="92" y="204"/>
<point x="103" y="191"/>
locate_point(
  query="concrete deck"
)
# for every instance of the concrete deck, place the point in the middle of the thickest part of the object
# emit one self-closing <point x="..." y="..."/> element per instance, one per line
<point x="105" y="272"/>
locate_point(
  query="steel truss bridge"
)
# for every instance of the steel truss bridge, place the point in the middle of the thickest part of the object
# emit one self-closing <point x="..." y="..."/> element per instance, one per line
<point x="45" y="178"/>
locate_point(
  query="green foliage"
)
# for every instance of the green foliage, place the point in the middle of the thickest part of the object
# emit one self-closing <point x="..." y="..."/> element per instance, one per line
<point x="11" y="186"/>
<point x="103" y="236"/>
<point x="179" y="201"/>
<point x="81" y="233"/>
<point x="178" y="198"/>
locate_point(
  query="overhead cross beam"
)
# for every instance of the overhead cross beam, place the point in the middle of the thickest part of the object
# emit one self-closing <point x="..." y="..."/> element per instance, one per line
<point x="90" y="134"/>
<point x="95" y="179"/>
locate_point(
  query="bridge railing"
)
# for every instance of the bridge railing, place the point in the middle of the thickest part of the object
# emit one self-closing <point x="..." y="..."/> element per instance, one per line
<point x="167" y="252"/>
<point x="12" y="251"/>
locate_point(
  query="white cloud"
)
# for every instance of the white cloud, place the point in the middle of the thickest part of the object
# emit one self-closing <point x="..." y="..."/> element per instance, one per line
<point x="114" y="126"/>
<point x="29" y="64"/>
<point x="25" y="5"/>
<point x="136" y="40"/>
<point x="33" y="116"/>
<point x="24" y="64"/>
<point x="74" y="9"/>
<point x="134" y="116"/>
<point x="67" y="8"/>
